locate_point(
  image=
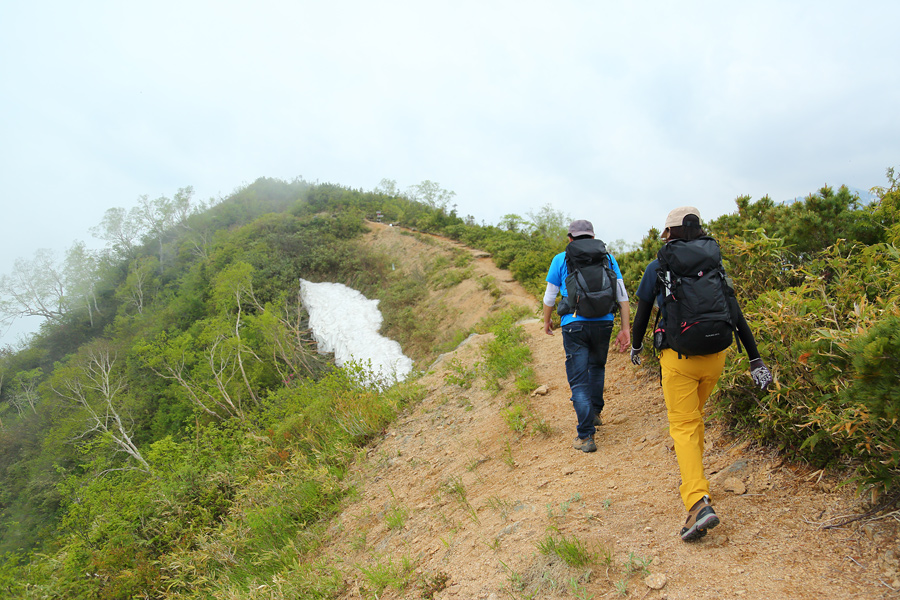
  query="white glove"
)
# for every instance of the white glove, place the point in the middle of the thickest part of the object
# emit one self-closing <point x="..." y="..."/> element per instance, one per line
<point x="760" y="373"/>
<point x="636" y="355"/>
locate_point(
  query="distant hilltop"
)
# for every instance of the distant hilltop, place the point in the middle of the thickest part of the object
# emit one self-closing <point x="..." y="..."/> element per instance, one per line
<point x="865" y="196"/>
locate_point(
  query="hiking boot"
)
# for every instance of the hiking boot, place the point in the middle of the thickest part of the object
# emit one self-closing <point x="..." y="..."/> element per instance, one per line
<point x="597" y="420"/>
<point x="578" y="443"/>
<point x="701" y="518"/>
<point x="588" y="445"/>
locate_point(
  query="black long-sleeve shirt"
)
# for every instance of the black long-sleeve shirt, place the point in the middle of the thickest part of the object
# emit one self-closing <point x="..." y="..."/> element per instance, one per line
<point x="646" y="299"/>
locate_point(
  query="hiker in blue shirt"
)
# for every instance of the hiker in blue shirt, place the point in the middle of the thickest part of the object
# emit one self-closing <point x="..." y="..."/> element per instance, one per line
<point x="585" y="340"/>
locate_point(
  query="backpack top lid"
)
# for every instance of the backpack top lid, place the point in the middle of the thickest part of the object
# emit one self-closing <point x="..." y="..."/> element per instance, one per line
<point x="586" y="252"/>
<point x="690" y="257"/>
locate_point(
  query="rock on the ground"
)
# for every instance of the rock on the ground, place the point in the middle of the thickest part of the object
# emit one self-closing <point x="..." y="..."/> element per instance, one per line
<point x="656" y="581"/>
<point x="734" y="485"/>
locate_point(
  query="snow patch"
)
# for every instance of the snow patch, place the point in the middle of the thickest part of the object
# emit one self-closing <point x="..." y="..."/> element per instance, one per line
<point x="346" y="323"/>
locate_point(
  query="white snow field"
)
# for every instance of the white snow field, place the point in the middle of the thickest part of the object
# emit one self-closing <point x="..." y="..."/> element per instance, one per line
<point x="346" y="323"/>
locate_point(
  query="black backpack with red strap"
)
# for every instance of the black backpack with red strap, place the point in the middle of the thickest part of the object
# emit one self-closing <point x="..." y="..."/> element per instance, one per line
<point x="698" y="298"/>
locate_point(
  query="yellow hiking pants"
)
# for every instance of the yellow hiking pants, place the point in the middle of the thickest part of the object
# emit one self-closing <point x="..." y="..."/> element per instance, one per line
<point x="687" y="382"/>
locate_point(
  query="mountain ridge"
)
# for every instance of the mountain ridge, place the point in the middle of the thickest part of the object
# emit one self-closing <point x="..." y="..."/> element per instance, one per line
<point x="470" y="501"/>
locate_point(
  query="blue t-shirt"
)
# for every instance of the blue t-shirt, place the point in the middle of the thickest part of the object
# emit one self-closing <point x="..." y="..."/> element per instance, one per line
<point x="557" y="276"/>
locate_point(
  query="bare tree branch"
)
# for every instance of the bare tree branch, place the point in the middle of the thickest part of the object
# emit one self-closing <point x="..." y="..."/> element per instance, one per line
<point x="96" y="387"/>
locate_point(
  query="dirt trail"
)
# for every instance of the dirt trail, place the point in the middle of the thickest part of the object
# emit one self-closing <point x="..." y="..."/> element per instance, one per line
<point x="455" y="491"/>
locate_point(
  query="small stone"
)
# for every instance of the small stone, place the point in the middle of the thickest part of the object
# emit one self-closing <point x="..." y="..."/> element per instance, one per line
<point x="737" y="467"/>
<point x="569" y="470"/>
<point x="734" y="485"/>
<point x="715" y="540"/>
<point x="656" y="581"/>
<point x="541" y="391"/>
<point x="739" y="449"/>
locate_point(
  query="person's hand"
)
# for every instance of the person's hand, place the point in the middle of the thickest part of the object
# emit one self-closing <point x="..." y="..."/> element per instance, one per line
<point x="760" y="373"/>
<point x="636" y="355"/>
<point x="623" y="340"/>
<point x="548" y="328"/>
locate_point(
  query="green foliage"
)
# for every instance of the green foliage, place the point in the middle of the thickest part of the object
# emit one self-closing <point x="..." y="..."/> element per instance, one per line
<point x="11" y="583"/>
<point x="459" y="375"/>
<point x="821" y="326"/>
<point x="444" y="276"/>
<point x="247" y="433"/>
<point x="633" y="262"/>
<point x="489" y="284"/>
<point x="807" y="226"/>
<point x="431" y="584"/>
<point x="221" y="393"/>
<point x="514" y="415"/>
<point x="399" y="300"/>
<point x="526" y="380"/>
<point x="383" y="575"/>
<point x="396" y="517"/>
<point x="506" y="354"/>
<point x="550" y="223"/>
<point x="886" y="211"/>
<point x="876" y="362"/>
<point x="637" y="564"/>
<point x="571" y="550"/>
<point x="225" y="503"/>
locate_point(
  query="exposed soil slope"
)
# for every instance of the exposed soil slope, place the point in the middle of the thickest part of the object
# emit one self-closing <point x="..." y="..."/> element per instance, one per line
<point x="467" y="500"/>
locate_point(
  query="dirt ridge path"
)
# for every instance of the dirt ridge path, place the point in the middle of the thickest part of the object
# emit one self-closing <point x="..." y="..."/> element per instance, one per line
<point x="454" y="491"/>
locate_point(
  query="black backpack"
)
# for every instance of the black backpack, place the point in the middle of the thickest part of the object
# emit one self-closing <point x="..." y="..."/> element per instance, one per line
<point x="591" y="282"/>
<point x="698" y="298"/>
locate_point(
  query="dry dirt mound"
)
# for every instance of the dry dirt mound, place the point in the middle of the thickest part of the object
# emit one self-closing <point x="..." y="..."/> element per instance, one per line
<point x="453" y="490"/>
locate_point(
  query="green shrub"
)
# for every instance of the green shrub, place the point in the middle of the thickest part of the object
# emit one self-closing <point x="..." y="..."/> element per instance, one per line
<point x="571" y="550"/>
<point x="834" y="398"/>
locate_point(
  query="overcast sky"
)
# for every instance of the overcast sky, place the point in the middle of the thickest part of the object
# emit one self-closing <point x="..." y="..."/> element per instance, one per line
<point x="610" y="111"/>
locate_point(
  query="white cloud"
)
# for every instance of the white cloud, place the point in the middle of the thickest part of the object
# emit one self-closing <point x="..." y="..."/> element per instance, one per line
<point x="615" y="112"/>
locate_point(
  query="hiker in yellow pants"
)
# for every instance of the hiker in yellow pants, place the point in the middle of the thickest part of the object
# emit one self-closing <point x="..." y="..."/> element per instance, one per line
<point x="688" y="378"/>
<point x="687" y="383"/>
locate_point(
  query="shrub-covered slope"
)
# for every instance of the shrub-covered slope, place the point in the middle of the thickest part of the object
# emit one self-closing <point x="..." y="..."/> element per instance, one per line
<point x="175" y="403"/>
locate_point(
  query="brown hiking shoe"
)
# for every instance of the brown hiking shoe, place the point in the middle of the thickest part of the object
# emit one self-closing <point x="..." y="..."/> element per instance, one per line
<point x="588" y="445"/>
<point x="585" y="444"/>
<point x="597" y="421"/>
<point x="701" y="518"/>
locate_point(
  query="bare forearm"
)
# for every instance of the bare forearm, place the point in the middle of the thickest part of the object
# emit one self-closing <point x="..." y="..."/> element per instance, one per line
<point x="548" y="311"/>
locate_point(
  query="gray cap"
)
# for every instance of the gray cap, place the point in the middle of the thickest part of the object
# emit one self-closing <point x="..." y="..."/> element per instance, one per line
<point x="581" y="227"/>
<point x="676" y="217"/>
